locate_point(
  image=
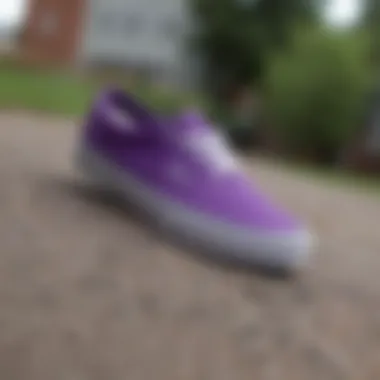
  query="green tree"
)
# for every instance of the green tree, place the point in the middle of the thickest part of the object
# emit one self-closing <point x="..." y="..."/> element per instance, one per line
<point x="371" y="13"/>
<point x="235" y="36"/>
<point x="371" y="22"/>
<point x="315" y="93"/>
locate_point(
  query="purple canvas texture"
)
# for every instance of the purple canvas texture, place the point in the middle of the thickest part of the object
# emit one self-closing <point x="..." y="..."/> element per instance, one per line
<point x="155" y="152"/>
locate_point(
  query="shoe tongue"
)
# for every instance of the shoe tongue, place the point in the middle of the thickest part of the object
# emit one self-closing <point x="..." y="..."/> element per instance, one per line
<point x="191" y="122"/>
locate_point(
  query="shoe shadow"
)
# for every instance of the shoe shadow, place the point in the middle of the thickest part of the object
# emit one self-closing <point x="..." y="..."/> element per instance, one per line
<point x="110" y="201"/>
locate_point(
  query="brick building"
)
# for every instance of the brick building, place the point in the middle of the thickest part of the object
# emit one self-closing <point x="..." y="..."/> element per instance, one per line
<point x="52" y="31"/>
<point x="130" y="33"/>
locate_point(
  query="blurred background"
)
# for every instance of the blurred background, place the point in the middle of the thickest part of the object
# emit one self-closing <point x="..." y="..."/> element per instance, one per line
<point x="296" y="78"/>
<point x="87" y="292"/>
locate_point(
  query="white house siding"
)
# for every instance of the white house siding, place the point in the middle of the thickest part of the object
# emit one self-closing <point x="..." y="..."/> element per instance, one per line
<point x="142" y="33"/>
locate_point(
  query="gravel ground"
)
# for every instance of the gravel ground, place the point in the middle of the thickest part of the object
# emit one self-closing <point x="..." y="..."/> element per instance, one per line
<point x="87" y="292"/>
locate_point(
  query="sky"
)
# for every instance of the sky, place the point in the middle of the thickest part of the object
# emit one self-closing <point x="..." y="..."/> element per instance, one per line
<point x="340" y="12"/>
<point x="343" y="12"/>
<point x="12" y="11"/>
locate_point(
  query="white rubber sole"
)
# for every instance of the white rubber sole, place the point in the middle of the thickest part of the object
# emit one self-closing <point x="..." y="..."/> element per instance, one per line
<point x="280" y="250"/>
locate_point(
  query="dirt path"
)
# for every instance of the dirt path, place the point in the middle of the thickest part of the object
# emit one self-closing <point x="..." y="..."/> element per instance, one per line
<point x="86" y="293"/>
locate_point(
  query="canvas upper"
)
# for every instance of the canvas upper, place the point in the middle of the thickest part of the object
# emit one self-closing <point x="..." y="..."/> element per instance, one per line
<point x="184" y="159"/>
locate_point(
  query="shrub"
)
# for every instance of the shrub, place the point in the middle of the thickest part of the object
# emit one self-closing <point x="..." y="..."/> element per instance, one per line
<point x="314" y="92"/>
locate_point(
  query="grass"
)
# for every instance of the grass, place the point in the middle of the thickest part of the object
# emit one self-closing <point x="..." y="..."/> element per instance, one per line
<point x="42" y="90"/>
<point x="68" y="94"/>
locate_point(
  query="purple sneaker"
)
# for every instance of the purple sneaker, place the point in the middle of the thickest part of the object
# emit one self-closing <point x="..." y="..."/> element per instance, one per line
<point x="181" y="172"/>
